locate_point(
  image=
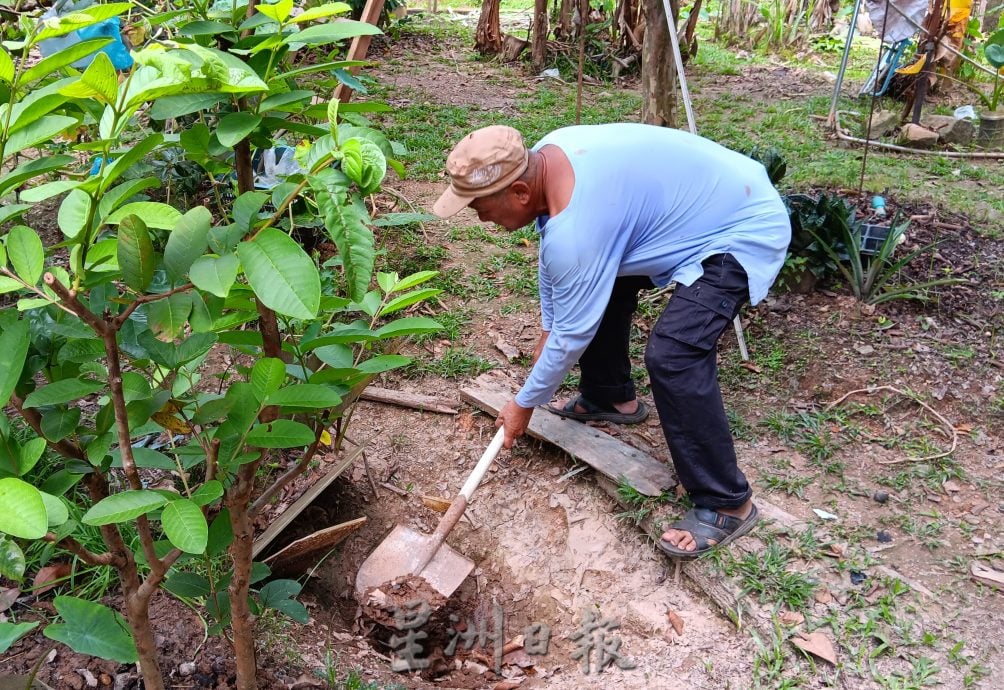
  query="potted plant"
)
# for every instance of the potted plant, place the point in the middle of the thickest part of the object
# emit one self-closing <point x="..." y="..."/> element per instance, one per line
<point x="991" y="134"/>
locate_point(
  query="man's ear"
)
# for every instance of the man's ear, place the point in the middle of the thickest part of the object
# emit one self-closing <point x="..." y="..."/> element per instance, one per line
<point x="521" y="191"/>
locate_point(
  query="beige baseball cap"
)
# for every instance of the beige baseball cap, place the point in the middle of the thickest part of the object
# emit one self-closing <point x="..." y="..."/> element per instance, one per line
<point x="484" y="162"/>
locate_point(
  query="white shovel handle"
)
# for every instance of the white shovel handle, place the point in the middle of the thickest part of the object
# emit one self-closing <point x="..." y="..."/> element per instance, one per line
<point x="483" y="464"/>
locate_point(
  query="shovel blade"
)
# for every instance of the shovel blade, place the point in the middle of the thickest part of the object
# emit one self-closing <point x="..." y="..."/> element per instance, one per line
<point x="399" y="555"/>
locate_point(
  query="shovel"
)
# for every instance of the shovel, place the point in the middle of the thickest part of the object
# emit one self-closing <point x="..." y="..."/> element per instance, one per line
<point x="407" y="552"/>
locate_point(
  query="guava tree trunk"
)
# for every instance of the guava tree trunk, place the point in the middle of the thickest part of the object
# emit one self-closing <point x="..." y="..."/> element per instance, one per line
<point x="658" y="71"/>
<point x="241" y="619"/>
<point x="488" y="36"/>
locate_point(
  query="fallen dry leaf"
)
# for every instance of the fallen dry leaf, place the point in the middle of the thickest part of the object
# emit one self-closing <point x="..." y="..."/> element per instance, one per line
<point x="440" y="505"/>
<point x="964" y="428"/>
<point x="823" y="596"/>
<point x="817" y="644"/>
<point x="792" y="618"/>
<point x="752" y="367"/>
<point x="988" y="576"/>
<point x="508" y="684"/>
<point x="8" y="596"/>
<point x="49" y="574"/>
<point x="835" y="550"/>
<point x="675" y="621"/>
<point x="951" y="486"/>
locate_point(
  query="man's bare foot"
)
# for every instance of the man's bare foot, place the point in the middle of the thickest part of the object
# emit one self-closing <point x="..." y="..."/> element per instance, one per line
<point x="684" y="540"/>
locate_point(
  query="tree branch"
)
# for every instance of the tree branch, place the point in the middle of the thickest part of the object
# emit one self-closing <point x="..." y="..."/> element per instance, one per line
<point x="34" y="420"/>
<point x="290" y="474"/>
<point x="69" y="297"/>
<point x="146" y="299"/>
<point x="88" y="557"/>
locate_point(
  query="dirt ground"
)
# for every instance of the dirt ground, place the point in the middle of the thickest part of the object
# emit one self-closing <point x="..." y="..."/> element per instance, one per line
<point x="552" y="548"/>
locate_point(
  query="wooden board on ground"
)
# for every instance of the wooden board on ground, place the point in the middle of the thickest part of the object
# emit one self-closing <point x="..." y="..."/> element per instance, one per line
<point x="349" y="456"/>
<point x="604" y="453"/>
<point x="302" y="553"/>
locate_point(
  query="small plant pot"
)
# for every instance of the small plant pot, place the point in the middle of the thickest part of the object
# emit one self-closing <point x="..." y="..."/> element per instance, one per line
<point x="991" y="134"/>
<point x="872" y="238"/>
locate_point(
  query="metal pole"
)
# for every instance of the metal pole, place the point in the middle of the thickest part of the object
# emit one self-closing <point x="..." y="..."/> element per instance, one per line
<point x="831" y="120"/>
<point x="737" y="324"/>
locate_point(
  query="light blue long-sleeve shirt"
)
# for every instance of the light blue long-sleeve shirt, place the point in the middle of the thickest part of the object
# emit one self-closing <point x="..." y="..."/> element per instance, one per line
<point x="647" y="201"/>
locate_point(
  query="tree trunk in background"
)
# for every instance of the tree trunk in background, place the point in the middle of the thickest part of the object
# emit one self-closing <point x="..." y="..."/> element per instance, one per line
<point x="563" y="31"/>
<point x="658" y="70"/>
<point x="488" y="37"/>
<point x="540" y="32"/>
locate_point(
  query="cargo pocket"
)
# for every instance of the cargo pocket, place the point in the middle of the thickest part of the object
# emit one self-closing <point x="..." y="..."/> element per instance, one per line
<point x="697" y="315"/>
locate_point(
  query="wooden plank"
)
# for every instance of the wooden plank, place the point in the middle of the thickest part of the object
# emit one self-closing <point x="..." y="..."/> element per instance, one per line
<point x="299" y="555"/>
<point x="360" y="45"/>
<point x="280" y="523"/>
<point x="425" y="403"/>
<point x="604" y="453"/>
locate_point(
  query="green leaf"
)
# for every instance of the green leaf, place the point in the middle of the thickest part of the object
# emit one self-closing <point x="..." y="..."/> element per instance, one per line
<point x="408" y="299"/>
<point x="411" y="325"/>
<point x="278" y="12"/>
<point x="42" y="130"/>
<point x="995" y="54"/>
<point x="281" y="274"/>
<point x="98" y="81"/>
<point x="293" y="609"/>
<point x="135" y="252"/>
<point x="12" y="565"/>
<point x="31" y="453"/>
<point x="185" y="525"/>
<point x="12" y="632"/>
<point x="62" y="391"/>
<point x="115" y="197"/>
<point x="280" y="101"/>
<point x="246" y="209"/>
<point x="220" y="534"/>
<point x="58" y="424"/>
<point x="188" y="585"/>
<point x="148" y="211"/>
<point x="14" y="339"/>
<point x="48" y="190"/>
<point x="234" y="127"/>
<point x="74" y="213"/>
<point x="207" y="493"/>
<point x="30" y="169"/>
<point x="93" y="629"/>
<point x="390" y="220"/>
<point x="347" y="226"/>
<point x="282" y="433"/>
<point x="413" y="280"/>
<point x="25" y="252"/>
<point x="154" y="214"/>
<point x="23" y="513"/>
<point x="305" y="395"/>
<point x="331" y="33"/>
<point x="55" y="510"/>
<point x="9" y="213"/>
<point x="146" y="458"/>
<point x="60" y="26"/>
<point x="205" y="28"/>
<point x="63" y="58"/>
<point x="6" y="72"/>
<point x="267" y="376"/>
<point x="122" y="507"/>
<point x="382" y="363"/>
<point x="167" y="317"/>
<point x="187" y="242"/>
<point x="215" y="274"/>
<point x="321" y="11"/>
<point x="184" y="104"/>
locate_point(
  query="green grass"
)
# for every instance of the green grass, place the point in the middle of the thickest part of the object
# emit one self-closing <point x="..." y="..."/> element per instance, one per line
<point x="455" y="363"/>
<point x="768" y="577"/>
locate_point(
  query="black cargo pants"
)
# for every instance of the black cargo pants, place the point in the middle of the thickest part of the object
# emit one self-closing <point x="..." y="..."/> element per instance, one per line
<point x="681" y="358"/>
